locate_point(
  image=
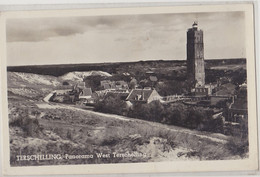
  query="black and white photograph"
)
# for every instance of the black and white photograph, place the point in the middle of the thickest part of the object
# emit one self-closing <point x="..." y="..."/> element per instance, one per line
<point x="133" y="88"/>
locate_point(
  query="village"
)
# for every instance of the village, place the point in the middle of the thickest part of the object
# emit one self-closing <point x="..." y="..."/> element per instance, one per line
<point x="226" y="99"/>
<point x="209" y="96"/>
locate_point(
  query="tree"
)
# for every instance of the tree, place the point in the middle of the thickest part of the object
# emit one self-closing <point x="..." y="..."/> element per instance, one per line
<point x="156" y="111"/>
<point x="112" y="105"/>
<point x="239" y="77"/>
<point x="172" y="87"/>
<point x="120" y="77"/>
<point x="133" y="83"/>
<point x="65" y="83"/>
<point x="153" y="111"/>
<point x="196" y="117"/>
<point x="176" y="114"/>
<point x="93" y="81"/>
<point x="215" y="125"/>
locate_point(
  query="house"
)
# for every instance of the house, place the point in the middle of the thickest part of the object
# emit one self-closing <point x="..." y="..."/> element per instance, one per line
<point x="143" y="96"/>
<point x="121" y="95"/>
<point x="62" y="92"/>
<point x="225" y="90"/>
<point x="153" y="78"/>
<point x="238" y="109"/>
<point x="149" y="73"/>
<point x="201" y="91"/>
<point x="120" y="90"/>
<point x="112" y="85"/>
<point x="81" y="85"/>
<point x="65" y="96"/>
<point x="86" y="93"/>
<point x="204" y="90"/>
<point x="99" y="95"/>
<point x="121" y="85"/>
<point x="107" y="84"/>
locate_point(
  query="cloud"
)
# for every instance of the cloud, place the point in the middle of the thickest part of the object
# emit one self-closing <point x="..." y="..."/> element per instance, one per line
<point x="124" y="37"/>
<point x="34" y="30"/>
<point x="40" y="29"/>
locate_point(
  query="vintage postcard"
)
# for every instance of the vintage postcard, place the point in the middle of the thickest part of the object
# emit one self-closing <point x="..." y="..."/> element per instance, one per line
<point x="129" y="90"/>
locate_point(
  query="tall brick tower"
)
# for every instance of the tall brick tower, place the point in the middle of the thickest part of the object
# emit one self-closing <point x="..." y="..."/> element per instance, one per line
<point x="195" y="56"/>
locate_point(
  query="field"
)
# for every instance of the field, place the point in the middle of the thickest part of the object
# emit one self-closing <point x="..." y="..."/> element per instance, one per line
<point x="40" y="127"/>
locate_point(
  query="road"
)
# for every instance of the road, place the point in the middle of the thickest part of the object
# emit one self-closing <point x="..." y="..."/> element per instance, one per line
<point x="47" y="98"/>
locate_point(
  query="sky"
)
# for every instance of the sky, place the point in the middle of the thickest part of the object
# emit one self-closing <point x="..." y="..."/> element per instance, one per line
<point x="121" y="38"/>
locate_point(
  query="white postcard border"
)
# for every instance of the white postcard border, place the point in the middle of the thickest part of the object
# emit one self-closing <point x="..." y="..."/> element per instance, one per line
<point x="181" y="166"/>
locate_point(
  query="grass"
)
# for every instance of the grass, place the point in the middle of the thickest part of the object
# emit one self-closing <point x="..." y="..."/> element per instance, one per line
<point x="34" y="130"/>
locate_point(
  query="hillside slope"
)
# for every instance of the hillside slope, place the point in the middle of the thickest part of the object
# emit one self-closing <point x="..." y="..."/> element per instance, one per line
<point x="35" y="85"/>
<point x="29" y="85"/>
<point x="37" y="127"/>
<point x="76" y="75"/>
<point x="27" y="79"/>
<point x="65" y="129"/>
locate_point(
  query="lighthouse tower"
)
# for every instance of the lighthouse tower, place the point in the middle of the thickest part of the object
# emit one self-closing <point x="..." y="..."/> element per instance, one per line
<point x="195" y="56"/>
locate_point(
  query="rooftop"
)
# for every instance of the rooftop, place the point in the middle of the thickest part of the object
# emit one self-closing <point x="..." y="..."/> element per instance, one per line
<point x="143" y="95"/>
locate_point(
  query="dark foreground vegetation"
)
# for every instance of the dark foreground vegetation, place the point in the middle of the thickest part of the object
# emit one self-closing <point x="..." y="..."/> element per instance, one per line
<point x="64" y="131"/>
<point x="178" y="114"/>
<point x="196" y="118"/>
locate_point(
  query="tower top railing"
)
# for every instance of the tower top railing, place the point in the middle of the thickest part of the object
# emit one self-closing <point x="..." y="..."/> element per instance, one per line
<point x="195" y="25"/>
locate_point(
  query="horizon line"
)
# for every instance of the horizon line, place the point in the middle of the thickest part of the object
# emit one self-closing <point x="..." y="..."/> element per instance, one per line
<point x="151" y="60"/>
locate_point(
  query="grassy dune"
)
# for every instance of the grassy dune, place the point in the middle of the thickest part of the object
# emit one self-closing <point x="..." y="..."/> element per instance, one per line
<point x="35" y="130"/>
<point x="37" y="127"/>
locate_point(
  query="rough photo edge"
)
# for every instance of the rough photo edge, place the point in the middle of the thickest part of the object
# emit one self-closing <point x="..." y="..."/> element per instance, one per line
<point x="143" y="167"/>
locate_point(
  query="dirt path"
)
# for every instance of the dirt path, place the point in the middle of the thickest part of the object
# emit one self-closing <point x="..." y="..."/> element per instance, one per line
<point x="60" y="106"/>
<point x="216" y="138"/>
<point x="47" y="98"/>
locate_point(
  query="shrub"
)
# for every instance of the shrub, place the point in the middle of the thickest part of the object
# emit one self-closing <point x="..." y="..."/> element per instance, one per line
<point x="196" y="117"/>
<point x="30" y="126"/>
<point x="215" y="125"/>
<point x="112" y="105"/>
<point x="238" y="145"/>
<point x="171" y="87"/>
<point x="93" y="81"/>
<point x="176" y="114"/>
<point x="153" y="111"/>
<point x="65" y="83"/>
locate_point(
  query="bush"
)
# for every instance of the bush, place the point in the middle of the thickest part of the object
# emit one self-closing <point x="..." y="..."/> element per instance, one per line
<point x="172" y="87"/>
<point x="196" y="118"/>
<point x="93" y="82"/>
<point x="153" y="111"/>
<point x="215" y="125"/>
<point x="176" y="114"/>
<point x="238" y="145"/>
<point x="112" y="105"/>
<point x="65" y="83"/>
<point x="30" y="126"/>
